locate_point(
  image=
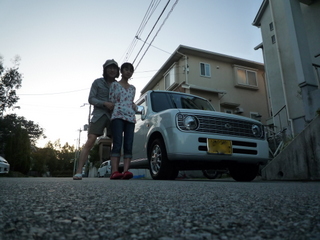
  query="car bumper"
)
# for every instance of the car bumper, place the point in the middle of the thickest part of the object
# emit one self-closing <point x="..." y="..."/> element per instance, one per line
<point x="193" y="147"/>
<point x="4" y="168"/>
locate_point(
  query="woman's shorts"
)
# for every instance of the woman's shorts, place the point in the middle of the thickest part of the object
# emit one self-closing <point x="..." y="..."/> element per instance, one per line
<point x="98" y="126"/>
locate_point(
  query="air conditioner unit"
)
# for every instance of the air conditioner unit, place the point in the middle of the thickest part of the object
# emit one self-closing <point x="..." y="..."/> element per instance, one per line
<point x="238" y="110"/>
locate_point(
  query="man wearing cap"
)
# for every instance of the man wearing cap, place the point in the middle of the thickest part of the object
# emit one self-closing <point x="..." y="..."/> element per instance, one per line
<point x="101" y="114"/>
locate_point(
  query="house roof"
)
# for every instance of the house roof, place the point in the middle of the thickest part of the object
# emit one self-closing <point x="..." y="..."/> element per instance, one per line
<point x="184" y="51"/>
<point x="257" y="19"/>
<point x="264" y="4"/>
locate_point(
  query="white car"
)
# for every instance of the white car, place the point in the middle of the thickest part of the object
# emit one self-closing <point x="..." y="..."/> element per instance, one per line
<point x="4" y="165"/>
<point x="104" y="169"/>
<point x="178" y="131"/>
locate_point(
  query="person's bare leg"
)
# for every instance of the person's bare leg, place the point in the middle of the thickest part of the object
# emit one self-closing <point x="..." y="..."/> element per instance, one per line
<point x="115" y="164"/>
<point x="85" y="151"/>
<point x="126" y="164"/>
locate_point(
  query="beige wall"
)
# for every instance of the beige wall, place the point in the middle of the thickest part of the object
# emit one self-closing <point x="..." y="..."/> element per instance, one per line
<point x="222" y="79"/>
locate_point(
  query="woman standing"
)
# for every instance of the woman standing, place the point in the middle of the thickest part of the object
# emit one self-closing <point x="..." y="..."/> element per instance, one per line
<point x="122" y="121"/>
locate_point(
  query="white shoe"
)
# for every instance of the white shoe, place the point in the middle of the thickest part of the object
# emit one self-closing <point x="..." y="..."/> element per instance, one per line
<point x="78" y="176"/>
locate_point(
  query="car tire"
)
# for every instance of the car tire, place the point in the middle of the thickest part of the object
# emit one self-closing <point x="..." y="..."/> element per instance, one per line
<point x="98" y="175"/>
<point x="211" y="173"/>
<point x="159" y="165"/>
<point x="244" y="172"/>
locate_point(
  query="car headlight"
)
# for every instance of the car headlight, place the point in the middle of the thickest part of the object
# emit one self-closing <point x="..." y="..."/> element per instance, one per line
<point x="190" y="122"/>
<point x="256" y="130"/>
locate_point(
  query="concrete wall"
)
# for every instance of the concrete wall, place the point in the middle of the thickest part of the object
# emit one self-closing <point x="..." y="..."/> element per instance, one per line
<point x="300" y="160"/>
<point x="288" y="61"/>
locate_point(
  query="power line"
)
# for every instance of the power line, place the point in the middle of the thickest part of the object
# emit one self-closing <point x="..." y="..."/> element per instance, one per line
<point x="173" y="6"/>
<point x="40" y="94"/>
<point x="79" y="90"/>
<point x="155" y="46"/>
<point x="151" y="31"/>
<point x="152" y="7"/>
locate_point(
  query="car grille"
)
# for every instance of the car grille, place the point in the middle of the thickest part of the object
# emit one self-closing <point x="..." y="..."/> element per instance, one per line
<point x="222" y="126"/>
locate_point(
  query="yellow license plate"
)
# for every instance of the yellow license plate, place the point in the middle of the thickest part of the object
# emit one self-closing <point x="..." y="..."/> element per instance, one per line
<point x="217" y="146"/>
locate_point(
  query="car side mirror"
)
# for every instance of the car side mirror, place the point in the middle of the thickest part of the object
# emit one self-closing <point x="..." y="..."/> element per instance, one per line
<point x="140" y="110"/>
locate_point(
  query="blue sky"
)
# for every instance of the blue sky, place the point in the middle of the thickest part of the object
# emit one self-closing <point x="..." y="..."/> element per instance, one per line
<point x="63" y="45"/>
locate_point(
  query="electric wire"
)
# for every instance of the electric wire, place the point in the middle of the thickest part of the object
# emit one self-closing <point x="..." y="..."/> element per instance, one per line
<point x="152" y="7"/>
<point x="155" y="46"/>
<point x="173" y="6"/>
<point x="41" y="94"/>
<point x="73" y="91"/>
<point x="151" y="31"/>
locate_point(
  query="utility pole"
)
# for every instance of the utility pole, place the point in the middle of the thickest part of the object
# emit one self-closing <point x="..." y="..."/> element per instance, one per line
<point x="77" y="153"/>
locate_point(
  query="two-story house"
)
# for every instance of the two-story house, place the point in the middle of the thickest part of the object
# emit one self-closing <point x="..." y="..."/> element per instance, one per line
<point x="231" y="84"/>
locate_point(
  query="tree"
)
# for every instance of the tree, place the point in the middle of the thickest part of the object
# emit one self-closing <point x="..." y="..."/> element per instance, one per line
<point x="43" y="160"/>
<point x="17" y="136"/>
<point x="17" y="149"/>
<point x="65" y="157"/>
<point x="54" y="158"/>
<point x="50" y="154"/>
<point x="10" y="81"/>
<point x="11" y="121"/>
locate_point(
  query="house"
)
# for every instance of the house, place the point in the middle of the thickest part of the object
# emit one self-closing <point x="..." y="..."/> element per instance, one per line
<point x="231" y="84"/>
<point x="290" y="32"/>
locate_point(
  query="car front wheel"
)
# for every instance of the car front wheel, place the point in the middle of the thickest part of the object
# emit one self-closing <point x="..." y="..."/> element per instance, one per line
<point x="159" y="165"/>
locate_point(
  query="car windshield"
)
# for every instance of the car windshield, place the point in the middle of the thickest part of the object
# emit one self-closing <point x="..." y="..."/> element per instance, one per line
<point x="162" y="101"/>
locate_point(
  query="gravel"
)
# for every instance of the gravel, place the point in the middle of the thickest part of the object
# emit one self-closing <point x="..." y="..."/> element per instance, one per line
<point x="98" y="208"/>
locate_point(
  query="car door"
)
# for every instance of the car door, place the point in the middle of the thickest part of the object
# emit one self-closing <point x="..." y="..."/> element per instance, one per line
<point x="140" y="134"/>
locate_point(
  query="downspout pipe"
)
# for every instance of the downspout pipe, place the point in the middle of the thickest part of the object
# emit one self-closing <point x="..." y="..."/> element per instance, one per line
<point x="186" y="66"/>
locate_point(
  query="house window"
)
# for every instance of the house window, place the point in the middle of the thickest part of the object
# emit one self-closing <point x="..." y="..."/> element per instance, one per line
<point x="271" y="26"/>
<point x="169" y="78"/>
<point x="246" y="77"/>
<point x="273" y="39"/>
<point x="205" y="70"/>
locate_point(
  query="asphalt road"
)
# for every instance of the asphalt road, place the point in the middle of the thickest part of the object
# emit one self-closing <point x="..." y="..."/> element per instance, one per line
<point x="99" y="208"/>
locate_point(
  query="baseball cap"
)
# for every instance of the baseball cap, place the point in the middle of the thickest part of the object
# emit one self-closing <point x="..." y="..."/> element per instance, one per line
<point x="110" y="62"/>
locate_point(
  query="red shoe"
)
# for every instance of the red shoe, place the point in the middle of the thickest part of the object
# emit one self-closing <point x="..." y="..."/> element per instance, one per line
<point x="116" y="175"/>
<point x="127" y="175"/>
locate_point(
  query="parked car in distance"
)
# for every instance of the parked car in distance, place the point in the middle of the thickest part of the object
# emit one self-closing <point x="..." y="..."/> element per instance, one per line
<point x="177" y="131"/>
<point x="104" y="169"/>
<point x="4" y="165"/>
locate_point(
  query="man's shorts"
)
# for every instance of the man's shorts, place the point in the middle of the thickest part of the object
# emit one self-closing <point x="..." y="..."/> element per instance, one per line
<point x="97" y="127"/>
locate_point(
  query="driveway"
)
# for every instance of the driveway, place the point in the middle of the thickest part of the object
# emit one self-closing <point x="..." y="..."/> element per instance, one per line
<point x="98" y="208"/>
